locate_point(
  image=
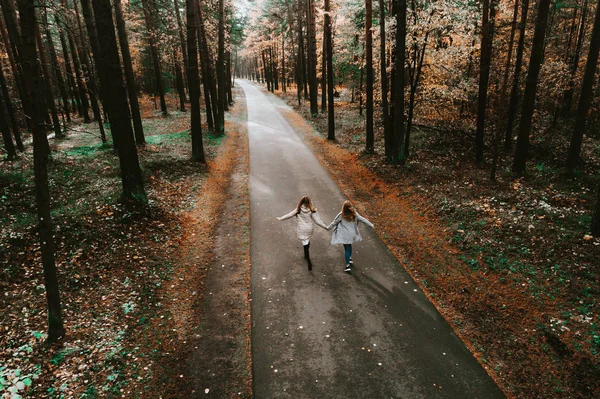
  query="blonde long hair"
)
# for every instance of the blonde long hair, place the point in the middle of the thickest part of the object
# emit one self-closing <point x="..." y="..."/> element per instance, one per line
<point x="348" y="211"/>
<point x="305" y="201"/>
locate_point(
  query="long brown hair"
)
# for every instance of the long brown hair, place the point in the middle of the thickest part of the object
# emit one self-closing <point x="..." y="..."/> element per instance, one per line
<point x="348" y="211"/>
<point x="305" y="201"/>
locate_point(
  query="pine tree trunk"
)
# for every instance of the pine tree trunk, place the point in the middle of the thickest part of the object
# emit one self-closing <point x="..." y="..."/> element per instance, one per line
<point x="324" y="68"/>
<point x="514" y="92"/>
<point x="179" y="83"/>
<point x="487" y="38"/>
<point x="208" y="75"/>
<point x="300" y="58"/>
<point x="370" y="142"/>
<point x="182" y="42"/>
<point x="33" y="84"/>
<point x="74" y="94"/>
<point x="329" y="56"/>
<point x="585" y="98"/>
<point x="132" y="91"/>
<point x="109" y="68"/>
<point x="220" y="125"/>
<point x="228" y="80"/>
<point x="81" y="86"/>
<point x="12" y="26"/>
<point x="535" y="64"/>
<point x="596" y="215"/>
<point x="194" y="80"/>
<point x="94" y="90"/>
<point x="9" y="146"/>
<point x="47" y="78"/>
<point x="312" y="57"/>
<point x="400" y="58"/>
<point x="502" y="100"/>
<point x="568" y="94"/>
<point x="57" y="73"/>
<point x="387" y="133"/>
<point x="148" y="17"/>
<point x="10" y="111"/>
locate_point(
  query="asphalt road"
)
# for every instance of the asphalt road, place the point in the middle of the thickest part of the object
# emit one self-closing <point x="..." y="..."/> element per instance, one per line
<point x="326" y="333"/>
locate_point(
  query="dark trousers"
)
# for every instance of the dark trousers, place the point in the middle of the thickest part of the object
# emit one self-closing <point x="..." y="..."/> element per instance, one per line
<point x="348" y="252"/>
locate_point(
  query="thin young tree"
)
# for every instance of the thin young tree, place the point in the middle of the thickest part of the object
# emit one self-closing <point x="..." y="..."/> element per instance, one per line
<point x="55" y="67"/>
<point x="47" y="79"/>
<point x="574" y="62"/>
<point x="585" y="98"/>
<point x="370" y="140"/>
<point x="129" y="75"/>
<point x="33" y="84"/>
<point x="208" y="75"/>
<point x="111" y="77"/>
<point x="535" y="64"/>
<point x="194" y="80"/>
<point x="152" y="37"/>
<point x="182" y="39"/>
<point x="487" y="37"/>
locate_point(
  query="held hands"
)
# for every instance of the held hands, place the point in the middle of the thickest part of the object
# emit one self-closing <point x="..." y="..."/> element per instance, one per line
<point x="278" y="218"/>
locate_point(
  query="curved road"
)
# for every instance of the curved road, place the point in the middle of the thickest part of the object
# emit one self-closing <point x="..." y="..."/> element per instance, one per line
<point x="326" y="333"/>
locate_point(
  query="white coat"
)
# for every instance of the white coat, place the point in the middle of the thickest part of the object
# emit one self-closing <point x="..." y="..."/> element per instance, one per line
<point x="304" y="222"/>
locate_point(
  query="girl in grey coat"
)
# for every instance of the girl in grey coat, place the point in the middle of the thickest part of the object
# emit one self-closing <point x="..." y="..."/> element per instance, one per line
<point x="346" y="230"/>
<point x="306" y="214"/>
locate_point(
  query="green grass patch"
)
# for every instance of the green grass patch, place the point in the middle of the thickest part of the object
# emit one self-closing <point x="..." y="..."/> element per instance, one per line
<point x="158" y="139"/>
<point x="86" y="150"/>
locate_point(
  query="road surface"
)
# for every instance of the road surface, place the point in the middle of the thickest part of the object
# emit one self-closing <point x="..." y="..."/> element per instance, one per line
<point x="328" y="334"/>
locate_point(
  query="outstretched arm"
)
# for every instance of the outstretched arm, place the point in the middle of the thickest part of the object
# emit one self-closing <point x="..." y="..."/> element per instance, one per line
<point x="335" y="221"/>
<point x="365" y="221"/>
<point x="318" y="221"/>
<point x="289" y="215"/>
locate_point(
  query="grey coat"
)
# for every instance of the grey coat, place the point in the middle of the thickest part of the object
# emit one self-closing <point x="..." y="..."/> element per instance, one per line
<point x="346" y="231"/>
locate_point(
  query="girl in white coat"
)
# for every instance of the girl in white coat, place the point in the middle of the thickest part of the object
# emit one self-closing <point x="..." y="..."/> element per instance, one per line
<point x="346" y="230"/>
<point x="306" y="214"/>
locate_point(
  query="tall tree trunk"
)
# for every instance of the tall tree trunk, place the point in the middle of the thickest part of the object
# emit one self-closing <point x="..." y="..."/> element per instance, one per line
<point x="228" y="81"/>
<point x="109" y="68"/>
<point x="568" y="94"/>
<point x="129" y="75"/>
<point x="14" y="67"/>
<point x="370" y="142"/>
<point x="33" y="84"/>
<point x="179" y="83"/>
<point x="74" y="94"/>
<point x="487" y="38"/>
<point x="194" y="80"/>
<point x="9" y="146"/>
<point x="400" y="58"/>
<point x="514" y="92"/>
<point x="324" y="69"/>
<point x="208" y="75"/>
<point x="535" y="64"/>
<point x="414" y="84"/>
<point x="12" y="26"/>
<point x="585" y="98"/>
<point x="10" y="111"/>
<point x="283" y="76"/>
<point x="95" y="91"/>
<point x="81" y="85"/>
<point x="148" y="17"/>
<point x="55" y="67"/>
<point x="329" y="56"/>
<point x="312" y="57"/>
<point x="300" y="58"/>
<point x="47" y="78"/>
<point x="387" y="132"/>
<point x="596" y="215"/>
<point x="182" y="42"/>
<point x="502" y="100"/>
<point x="220" y="125"/>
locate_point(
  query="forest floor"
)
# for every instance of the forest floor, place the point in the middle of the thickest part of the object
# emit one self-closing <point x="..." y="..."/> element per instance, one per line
<point x="509" y="264"/>
<point x="144" y="290"/>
